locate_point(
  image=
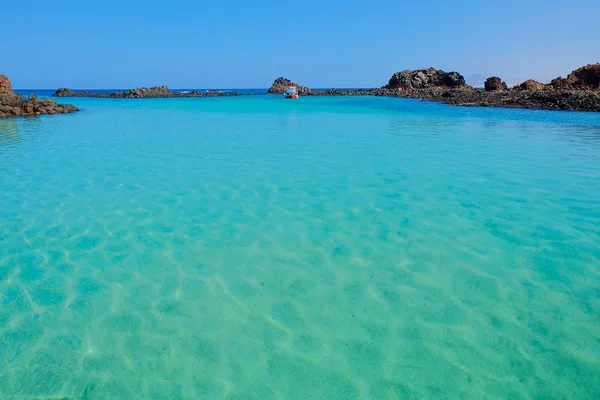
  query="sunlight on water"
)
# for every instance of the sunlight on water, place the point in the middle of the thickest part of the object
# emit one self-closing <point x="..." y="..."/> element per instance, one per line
<point x="327" y="248"/>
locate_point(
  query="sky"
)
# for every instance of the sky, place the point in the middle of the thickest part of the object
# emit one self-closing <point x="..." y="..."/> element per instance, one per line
<point x="317" y="43"/>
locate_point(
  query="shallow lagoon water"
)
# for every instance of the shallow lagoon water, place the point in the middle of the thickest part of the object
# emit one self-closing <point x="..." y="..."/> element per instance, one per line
<point x="326" y="248"/>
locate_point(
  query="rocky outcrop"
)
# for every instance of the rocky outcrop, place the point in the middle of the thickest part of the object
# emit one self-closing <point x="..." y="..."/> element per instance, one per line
<point x="280" y="84"/>
<point x="425" y="78"/>
<point x="139" y="93"/>
<point x="431" y="85"/>
<point x="572" y="100"/>
<point x="15" y="105"/>
<point x="559" y="83"/>
<point x="5" y="86"/>
<point x="530" y="84"/>
<point x="560" y="94"/>
<point x="529" y="94"/>
<point x="449" y="88"/>
<point x="586" y="77"/>
<point x="494" y="83"/>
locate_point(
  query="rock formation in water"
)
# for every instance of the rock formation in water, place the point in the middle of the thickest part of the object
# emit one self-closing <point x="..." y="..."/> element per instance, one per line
<point x="449" y="87"/>
<point x="5" y="86"/>
<point x="586" y="77"/>
<point x="530" y="84"/>
<point x="559" y="83"/>
<point x="439" y="86"/>
<point x="576" y="92"/>
<point x="573" y="100"/>
<point x="15" y="105"/>
<point x="494" y="83"/>
<point x="279" y="85"/>
<point x="139" y="93"/>
<point x="579" y="91"/>
<point x="425" y="78"/>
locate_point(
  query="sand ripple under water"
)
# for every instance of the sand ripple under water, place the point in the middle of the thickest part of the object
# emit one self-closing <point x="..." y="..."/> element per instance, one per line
<point x="252" y="248"/>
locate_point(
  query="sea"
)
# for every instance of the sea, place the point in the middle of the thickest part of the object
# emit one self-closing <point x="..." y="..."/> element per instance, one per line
<point x="320" y="248"/>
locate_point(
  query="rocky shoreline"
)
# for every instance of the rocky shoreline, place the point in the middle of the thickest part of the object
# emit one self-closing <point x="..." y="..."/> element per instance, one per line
<point x="568" y="100"/>
<point x="579" y="91"/>
<point x="140" y="93"/>
<point x="15" y="105"/>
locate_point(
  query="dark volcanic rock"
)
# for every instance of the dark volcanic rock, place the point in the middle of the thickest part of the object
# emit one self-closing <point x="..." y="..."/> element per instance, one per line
<point x="431" y="85"/>
<point x="494" y="83"/>
<point x="586" y="77"/>
<point x="153" y="92"/>
<point x="15" y="105"/>
<point x="64" y="92"/>
<point x="279" y="85"/>
<point x="573" y="100"/>
<point x="425" y="78"/>
<point x="530" y="84"/>
<point x="560" y="83"/>
<point x="529" y="94"/>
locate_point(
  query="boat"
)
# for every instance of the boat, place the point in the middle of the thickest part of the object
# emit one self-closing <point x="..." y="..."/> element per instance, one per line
<point x="291" y="92"/>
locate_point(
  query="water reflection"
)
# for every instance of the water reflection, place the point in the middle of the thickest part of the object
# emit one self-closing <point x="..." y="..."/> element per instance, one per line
<point x="578" y="133"/>
<point x="287" y="121"/>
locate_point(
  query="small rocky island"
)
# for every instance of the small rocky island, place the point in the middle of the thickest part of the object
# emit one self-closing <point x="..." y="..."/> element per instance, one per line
<point x="280" y="84"/>
<point x="15" y="105"/>
<point x="579" y="91"/>
<point x="139" y="93"/>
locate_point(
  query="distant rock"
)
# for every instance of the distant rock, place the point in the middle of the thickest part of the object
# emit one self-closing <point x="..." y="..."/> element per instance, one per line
<point x="529" y="94"/>
<point x="63" y="92"/>
<point x="139" y="93"/>
<point x="425" y="78"/>
<point x="15" y="105"/>
<point x="494" y="83"/>
<point x="586" y="77"/>
<point x="530" y="84"/>
<point x="156" y="91"/>
<point x="560" y="83"/>
<point x="279" y="85"/>
<point x="572" y="100"/>
<point x="430" y="85"/>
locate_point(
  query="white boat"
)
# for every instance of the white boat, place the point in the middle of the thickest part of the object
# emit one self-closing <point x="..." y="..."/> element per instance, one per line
<point x="291" y="92"/>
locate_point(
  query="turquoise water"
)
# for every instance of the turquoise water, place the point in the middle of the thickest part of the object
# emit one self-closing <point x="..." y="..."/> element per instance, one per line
<point x="325" y="248"/>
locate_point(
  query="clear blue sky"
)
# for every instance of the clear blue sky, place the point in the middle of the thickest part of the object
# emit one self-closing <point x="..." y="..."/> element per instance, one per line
<point x="247" y="44"/>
